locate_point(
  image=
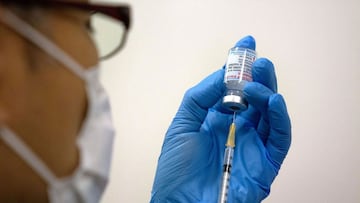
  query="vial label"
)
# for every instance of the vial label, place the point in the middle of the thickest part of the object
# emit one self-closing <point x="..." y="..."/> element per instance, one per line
<point x="238" y="66"/>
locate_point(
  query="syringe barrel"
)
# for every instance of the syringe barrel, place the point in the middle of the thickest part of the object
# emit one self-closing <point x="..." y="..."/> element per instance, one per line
<point x="228" y="156"/>
<point x="223" y="193"/>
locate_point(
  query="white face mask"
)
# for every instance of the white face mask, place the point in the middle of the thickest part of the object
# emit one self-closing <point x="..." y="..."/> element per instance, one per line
<point x="94" y="141"/>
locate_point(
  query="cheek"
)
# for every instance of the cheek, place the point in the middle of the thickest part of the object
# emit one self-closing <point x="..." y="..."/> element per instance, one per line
<point x="73" y="38"/>
<point x="13" y="98"/>
<point x="13" y="87"/>
<point x="78" y="44"/>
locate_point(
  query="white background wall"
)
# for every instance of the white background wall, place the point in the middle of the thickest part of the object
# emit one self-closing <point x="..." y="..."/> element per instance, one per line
<point x="315" y="46"/>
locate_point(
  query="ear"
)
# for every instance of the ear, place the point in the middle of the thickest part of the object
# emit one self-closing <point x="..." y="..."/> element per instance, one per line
<point x="2" y="7"/>
<point x="3" y="116"/>
<point x="3" y="67"/>
<point x="4" y="32"/>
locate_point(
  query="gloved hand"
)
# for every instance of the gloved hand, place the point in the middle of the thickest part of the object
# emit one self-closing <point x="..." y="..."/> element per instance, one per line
<point x="190" y="165"/>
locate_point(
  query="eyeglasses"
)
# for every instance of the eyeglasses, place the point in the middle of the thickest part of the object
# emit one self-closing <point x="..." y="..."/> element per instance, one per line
<point x="109" y="23"/>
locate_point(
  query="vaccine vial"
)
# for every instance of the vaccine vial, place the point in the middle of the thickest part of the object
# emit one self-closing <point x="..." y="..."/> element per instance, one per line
<point x="237" y="73"/>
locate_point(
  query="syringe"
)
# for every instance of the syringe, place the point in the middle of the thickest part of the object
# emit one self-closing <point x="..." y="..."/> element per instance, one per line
<point x="228" y="157"/>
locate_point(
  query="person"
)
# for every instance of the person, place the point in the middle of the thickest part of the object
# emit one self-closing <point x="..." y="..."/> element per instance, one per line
<point x="56" y="130"/>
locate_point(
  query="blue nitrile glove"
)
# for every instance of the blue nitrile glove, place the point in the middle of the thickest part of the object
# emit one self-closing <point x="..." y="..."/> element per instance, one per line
<point x="190" y="165"/>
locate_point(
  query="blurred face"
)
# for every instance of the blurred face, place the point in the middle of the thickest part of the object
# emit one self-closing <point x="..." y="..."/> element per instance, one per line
<point x="43" y="102"/>
<point x="34" y="84"/>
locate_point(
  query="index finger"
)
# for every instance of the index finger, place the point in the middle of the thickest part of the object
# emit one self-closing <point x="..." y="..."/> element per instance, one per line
<point x="197" y="101"/>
